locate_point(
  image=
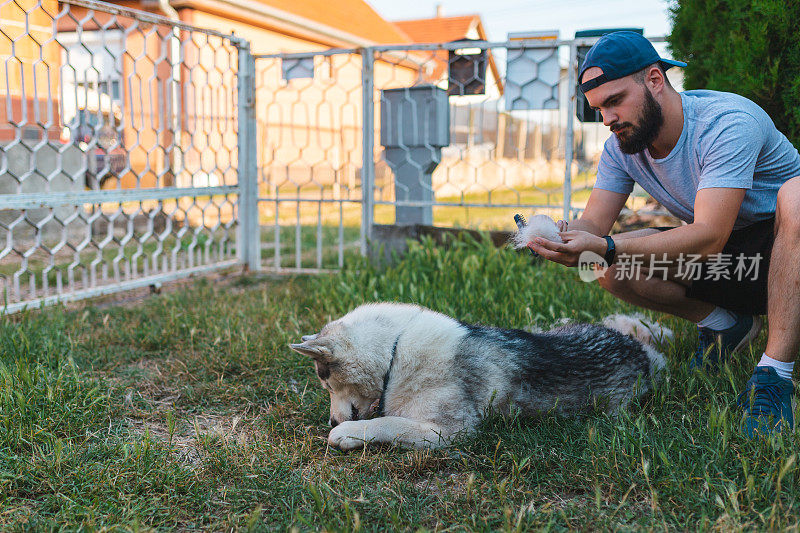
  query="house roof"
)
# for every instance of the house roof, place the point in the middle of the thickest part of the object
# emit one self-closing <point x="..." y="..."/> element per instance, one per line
<point x="446" y="29"/>
<point x="352" y="16"/>
<point x="341" y="23"/>
<point x="439" y="29"/>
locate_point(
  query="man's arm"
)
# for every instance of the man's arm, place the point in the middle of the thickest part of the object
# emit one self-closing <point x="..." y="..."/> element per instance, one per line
<point x="715" y="213"/>
<point x="600" y="213"/>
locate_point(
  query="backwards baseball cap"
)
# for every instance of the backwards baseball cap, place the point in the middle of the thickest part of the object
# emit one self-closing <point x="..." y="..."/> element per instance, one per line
<point x="620" y="54"/>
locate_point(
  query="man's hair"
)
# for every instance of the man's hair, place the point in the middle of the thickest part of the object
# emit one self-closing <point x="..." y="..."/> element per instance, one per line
<point x="639" y="75"/>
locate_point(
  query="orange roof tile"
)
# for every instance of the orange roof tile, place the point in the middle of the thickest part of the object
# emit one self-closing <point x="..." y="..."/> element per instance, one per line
<point x="438" y="29"/>
<point x="352" y="16"/>
<point x="446" y="29"/>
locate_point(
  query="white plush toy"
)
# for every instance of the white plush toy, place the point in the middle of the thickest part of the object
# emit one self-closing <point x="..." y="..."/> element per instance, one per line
<point x="538" y="226"/>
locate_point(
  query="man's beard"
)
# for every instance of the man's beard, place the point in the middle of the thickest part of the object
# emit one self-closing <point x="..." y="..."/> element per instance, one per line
<point x="637" y="138"/>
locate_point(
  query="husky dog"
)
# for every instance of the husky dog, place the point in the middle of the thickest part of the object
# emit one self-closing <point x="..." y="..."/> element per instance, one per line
<point x="406" y="375"/>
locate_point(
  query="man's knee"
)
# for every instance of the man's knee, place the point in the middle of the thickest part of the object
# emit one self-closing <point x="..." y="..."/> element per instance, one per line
<point x="788" y="206"/>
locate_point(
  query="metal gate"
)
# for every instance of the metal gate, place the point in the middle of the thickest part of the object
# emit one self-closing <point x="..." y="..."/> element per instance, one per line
<point x="120" y="150"/>
<point x="132" y="150"/>
<point x="310" y="158"/>
<point x="324" y="180"/>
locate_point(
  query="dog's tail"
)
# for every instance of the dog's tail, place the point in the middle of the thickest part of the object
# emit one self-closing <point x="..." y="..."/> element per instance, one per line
<point x="647" y="332"/>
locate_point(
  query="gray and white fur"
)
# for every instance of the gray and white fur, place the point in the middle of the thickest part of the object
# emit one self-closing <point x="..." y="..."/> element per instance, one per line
<point x="537" y="226"/>
<point x="435" y="377"/>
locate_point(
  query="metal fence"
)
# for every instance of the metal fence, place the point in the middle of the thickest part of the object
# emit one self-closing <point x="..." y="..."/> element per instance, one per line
<point x="325" y="178"/>
<point x="310" y="159"/>
<point x="132" y="150"/>
<point x="119" y="150"/>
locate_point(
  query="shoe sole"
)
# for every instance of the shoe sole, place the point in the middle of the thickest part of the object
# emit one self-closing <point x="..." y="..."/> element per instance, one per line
<point x="755" y="329"/>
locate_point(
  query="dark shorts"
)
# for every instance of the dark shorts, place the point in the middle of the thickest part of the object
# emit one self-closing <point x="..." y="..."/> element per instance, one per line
<point x="743" y="292"/>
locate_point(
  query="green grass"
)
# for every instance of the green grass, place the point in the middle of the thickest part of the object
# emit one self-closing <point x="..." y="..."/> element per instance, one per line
<point x="188" y="411"/>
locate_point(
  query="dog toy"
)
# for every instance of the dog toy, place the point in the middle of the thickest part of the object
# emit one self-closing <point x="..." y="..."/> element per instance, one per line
<point x="539" y="226"/>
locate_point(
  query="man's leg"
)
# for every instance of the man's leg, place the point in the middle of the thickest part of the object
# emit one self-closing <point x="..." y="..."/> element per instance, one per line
<point x="767" y="399"/>
<point x="783" y="283"/>
<point x="720" y="332"/>
<point x="666" y="296"/>
<point x="656" y="294"/>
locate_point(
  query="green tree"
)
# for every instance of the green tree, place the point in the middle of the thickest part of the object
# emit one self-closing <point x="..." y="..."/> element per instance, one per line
<point x="748" y="47"/>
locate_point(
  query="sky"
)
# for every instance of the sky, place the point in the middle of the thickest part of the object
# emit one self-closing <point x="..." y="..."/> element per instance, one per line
<point x="503" y="16"/>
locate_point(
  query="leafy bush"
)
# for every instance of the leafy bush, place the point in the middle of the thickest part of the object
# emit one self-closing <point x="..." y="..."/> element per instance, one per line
<point x="748" y="47"/>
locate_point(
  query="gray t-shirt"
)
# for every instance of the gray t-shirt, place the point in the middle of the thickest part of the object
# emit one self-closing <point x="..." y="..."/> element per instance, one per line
<point x="727" y="141"/>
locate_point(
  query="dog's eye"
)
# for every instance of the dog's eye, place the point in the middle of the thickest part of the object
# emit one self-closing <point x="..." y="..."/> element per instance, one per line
<point x="354" y="412"/>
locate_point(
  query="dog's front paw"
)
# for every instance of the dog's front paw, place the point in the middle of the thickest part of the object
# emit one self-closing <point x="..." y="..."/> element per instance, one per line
<point x="349" y="435"/>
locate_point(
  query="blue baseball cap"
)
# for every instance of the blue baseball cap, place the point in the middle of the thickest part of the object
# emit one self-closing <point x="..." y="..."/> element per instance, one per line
<point x="620" y="54"/>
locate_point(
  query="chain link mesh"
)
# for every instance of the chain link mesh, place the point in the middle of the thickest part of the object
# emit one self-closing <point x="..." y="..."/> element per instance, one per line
<point x="506" y="152"/>
<point x="508" y="134"/>
<point x="309" y="117"/>
<point x="118" y="149"/>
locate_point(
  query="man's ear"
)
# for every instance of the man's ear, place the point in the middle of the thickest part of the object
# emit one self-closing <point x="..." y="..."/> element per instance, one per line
<point x="314" y="347"/>
<point x="656" y="77"/>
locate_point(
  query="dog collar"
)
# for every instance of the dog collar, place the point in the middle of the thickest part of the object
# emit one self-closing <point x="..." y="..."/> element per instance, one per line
<point x="382" y="401"/>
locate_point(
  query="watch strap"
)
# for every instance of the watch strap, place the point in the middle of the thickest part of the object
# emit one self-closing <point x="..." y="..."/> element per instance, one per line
<point x="611" y="250"/>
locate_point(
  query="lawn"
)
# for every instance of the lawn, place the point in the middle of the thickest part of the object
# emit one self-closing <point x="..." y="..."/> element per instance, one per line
<point x="188" y="411"/>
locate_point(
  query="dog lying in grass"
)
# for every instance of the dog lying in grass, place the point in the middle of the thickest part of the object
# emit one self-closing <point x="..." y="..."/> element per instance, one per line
<point x="406" y="375"/>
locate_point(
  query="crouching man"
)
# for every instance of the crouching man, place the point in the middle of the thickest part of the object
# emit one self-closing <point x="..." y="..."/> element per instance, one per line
<point x="716" y="161"/>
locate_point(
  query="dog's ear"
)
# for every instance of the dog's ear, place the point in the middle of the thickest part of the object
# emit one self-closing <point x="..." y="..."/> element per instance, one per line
<point x="313" y="347"/>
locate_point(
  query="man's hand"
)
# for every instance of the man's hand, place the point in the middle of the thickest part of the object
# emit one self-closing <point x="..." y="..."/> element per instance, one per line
<point x="568" y="252"/>
<point x="562" y="225"/>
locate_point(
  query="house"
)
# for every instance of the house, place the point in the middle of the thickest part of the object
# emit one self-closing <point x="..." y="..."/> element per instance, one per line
<point x="128" y="81"/>
<point x="26" y="50"/>
<point x="442" y="29"/>
<point x="274" y="26"/>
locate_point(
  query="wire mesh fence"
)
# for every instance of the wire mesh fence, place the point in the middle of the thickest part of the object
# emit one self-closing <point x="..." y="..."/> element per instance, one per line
<point x="327" y="174"/>
<point x="309" y="117"/>
<point x="136" y="149"/>
<point x="118" y="150"/>
<point x="506" y="146"/>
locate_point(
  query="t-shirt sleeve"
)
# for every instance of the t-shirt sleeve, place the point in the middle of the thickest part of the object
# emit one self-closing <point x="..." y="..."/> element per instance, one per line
<point x="611" y="175"/>
<point x="729" y="152"/>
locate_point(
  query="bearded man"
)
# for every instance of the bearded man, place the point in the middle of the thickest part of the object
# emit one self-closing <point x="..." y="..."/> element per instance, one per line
<point x="716" y="161"/>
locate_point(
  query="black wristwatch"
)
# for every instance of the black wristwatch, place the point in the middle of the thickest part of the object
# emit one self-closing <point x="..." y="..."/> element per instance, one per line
<point x="611" y="250"/>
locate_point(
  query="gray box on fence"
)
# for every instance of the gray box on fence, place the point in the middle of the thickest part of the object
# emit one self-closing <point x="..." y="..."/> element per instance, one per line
<point x="415" y="116"/>
<point x="415" y="125"/>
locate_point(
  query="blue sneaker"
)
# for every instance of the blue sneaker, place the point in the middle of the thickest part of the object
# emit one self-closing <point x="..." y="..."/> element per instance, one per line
<point x="714" y="346"/>
<point x="767" y="402"/>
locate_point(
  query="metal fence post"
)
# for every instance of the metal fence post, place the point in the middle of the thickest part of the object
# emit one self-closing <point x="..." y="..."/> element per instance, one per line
<point x="570" y="134"/>
<point x="367" y="146"/>
<point x="249" y="249"/>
